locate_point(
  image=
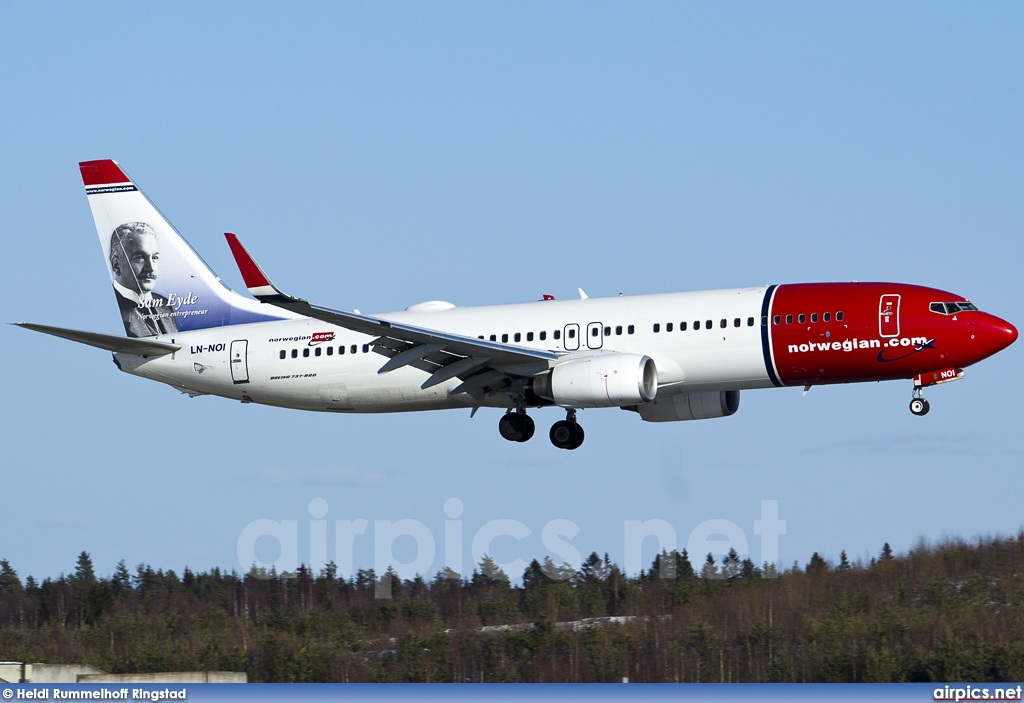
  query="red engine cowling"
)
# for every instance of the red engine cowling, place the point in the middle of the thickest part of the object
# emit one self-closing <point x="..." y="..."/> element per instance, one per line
<point x="690" y="406"/>
<point x="601" y="381"/>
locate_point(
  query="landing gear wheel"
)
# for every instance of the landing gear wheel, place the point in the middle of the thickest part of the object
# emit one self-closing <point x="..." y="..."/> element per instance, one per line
<point x="528" y="428"/>
<point x="566" y="435"/>
<point x="516" y="427"/>
<point x="919" y="406"/>
<point x="578" y="435"/>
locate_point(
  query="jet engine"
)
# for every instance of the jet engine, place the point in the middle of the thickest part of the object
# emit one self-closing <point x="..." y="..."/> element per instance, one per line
<point x="600" y="381"/>
<point x="690" y="406"/>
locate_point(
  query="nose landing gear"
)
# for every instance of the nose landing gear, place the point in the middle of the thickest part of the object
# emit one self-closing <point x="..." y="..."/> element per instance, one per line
<point x="567" y="434"/>
<point x="918" y="405"/>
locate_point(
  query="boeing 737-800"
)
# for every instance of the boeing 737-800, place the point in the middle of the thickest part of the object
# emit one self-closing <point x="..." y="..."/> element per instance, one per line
<point x="666" y="357"/>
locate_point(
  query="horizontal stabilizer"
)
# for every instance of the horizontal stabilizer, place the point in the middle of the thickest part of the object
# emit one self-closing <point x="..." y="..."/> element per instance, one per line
<point x="123" y="345"/>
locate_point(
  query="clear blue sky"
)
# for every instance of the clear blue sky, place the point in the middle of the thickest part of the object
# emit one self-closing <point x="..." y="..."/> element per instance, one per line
<point x="373" y="156"/>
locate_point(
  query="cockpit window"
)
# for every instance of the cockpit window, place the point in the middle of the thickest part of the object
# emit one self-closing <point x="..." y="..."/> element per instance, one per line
<point x="952" y="308"/>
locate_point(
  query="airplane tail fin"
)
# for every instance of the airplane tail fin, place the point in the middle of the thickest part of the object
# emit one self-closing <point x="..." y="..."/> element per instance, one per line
<point x="161" y="284"/>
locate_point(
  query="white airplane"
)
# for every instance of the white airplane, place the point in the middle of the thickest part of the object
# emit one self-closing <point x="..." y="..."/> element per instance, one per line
<point x="667" y="357"/>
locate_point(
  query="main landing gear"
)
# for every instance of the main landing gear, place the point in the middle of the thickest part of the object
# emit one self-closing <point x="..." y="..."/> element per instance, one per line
<point x="567" y="433"/>
<point x="517" y="426"/>
<point x="918" y="405"/>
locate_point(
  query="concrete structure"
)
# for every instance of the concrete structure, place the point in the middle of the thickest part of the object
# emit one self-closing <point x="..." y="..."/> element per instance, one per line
<point x="170" y="677"/>
<point x="21" y="672"/>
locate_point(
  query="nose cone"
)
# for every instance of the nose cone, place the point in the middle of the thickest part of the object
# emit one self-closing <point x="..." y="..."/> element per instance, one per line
<point x="996" y="334"/>
<point x="1008" y="333"/>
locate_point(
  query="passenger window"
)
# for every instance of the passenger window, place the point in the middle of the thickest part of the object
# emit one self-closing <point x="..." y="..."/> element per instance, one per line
<point x="629" y="330"/>
<point x="283" y="354"/>
<point x="618" y="329"/>
<point x="557" y="334"/>
<point x="353" y="349"/>
<point x="696" y="324"/>
<point x="839" y="317"/>
<point x="668" y="326"/>
<point x="366" y="348"/>
<point x="657" y="327"/>
<point x="543" y="335"/>
<point x="607" y="331"/>
<point x="494" y="338"/>
<point x="594" y="331"/>
<point x="814" y="317"/>
<point x="724" y="323"/>
<point x="708" y="324"/>
<point x="480" y="337"/>
<point x="826" y="317"/>
<point x="777" y="319"/>
<point x="341" y="349"/>
<point x="750" y="321"/>
<point x="802" y="318"/>
<point x="295" y="353"/>
<point x="305" y="352"/>
<point x="318" y="352"/>
<point x="789" y="319"/>
<point x="518" y="337"/>
<point x="504" y="338"/>
<point x="529" y="336"/>
<point x="330" y="351"/>
<point x="736" y="322"/>
<point x="572" y="333"/>
<point x="682" y="326"/>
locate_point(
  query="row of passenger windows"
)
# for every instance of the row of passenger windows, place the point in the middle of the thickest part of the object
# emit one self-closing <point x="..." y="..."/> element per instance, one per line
<point x="320" y="351"/>
<point x="619" y="329"/>
<point x="708" y="324"/>
<point x="802" y="318"/>
<point x="543" y="335"/>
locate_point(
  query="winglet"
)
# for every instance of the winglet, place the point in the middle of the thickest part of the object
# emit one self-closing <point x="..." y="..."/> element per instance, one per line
<point x="256" y="281"/>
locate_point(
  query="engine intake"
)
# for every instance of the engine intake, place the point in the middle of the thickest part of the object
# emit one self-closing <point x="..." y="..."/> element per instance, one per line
<point x="601" y="381"/>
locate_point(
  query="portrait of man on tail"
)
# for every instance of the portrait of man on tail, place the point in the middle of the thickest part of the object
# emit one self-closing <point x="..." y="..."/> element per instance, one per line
<point x="135" y="263"/>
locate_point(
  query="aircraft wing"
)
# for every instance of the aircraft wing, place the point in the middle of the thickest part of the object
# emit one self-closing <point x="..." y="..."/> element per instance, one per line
<point x="478" y="363"/>
<point x="112" y="343"/>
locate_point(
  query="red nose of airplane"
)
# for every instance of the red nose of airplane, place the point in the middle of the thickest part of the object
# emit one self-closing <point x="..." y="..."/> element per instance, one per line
<point x="996" y="334"/>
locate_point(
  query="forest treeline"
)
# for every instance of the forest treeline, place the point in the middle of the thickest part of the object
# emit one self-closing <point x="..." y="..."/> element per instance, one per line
<point x="951" y="611"/>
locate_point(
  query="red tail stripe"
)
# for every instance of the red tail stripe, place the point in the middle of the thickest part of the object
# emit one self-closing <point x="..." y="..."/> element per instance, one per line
<point x="99" y="173"/>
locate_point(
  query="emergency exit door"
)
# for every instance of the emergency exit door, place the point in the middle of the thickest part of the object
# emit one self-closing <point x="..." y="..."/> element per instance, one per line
<point x="239" y="361"/>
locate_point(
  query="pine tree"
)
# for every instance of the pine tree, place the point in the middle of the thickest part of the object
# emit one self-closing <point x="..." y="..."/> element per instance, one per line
<point x="844" y="562"/>
<point x="710" y="569"/>
<point x="731" y="565"/>
<point x="9" y="581"/>
<point x="886" y="552"/>
<point x="817" y="564"/>
<point x="84" y="572"/>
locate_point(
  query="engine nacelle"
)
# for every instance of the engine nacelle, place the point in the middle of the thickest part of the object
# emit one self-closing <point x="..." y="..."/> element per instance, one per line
<point x="601" y="381"/>
<point x="690" y="406"/>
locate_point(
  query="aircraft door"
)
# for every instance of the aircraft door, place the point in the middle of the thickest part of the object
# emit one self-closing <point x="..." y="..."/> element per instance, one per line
<point x="571" y="337"/>
<point x="889" y="315"/>
<point x="595" y="335"/>
<point x="239" y="361"/>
